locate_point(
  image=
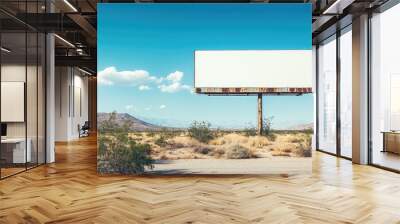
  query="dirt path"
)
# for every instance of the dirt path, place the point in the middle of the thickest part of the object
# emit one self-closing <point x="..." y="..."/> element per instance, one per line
<point x="276" y="165"/>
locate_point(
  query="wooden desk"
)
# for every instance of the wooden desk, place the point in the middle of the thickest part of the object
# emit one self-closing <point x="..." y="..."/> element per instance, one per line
<point x="391" y="141"/>
<point x="13" y="150"/>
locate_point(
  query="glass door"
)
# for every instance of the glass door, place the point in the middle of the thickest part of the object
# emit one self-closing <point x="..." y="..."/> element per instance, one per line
<point x="327" y="95"/>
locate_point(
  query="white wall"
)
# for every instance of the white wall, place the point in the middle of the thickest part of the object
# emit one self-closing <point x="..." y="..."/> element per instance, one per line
<point x="71" y="103"/>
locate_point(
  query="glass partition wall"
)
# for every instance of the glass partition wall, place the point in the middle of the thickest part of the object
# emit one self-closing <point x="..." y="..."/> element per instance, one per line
<point x="345" y="92"/>
<point x="385" y="89"/>
<point x="327" y="95"/>
<point x="334" y="105"/>
<point x="22" y="77"/>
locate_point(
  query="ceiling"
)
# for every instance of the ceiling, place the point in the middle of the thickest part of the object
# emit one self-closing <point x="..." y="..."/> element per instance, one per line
<point x="75" y="21"/>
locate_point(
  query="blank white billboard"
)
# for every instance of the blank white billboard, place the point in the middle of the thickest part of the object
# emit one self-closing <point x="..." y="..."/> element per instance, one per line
<point x="253" y="69"/>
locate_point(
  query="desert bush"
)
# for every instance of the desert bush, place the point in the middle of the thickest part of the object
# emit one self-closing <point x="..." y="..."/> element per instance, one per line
<point x="259" y="142"/>
<point x="102" y="145"/>
<point x="176" y="145"/>
<point x="307" y="153"/>
<point x="160" y="141"/>
<point x="202" y="150"/>
<point x="217" y="153"/>
<point x="296" y="140"/>
<point x="125" y="155"/>
<point x="271" y="137"/>
<point x="218" y="141"/>
<point x="201" y="131"/>
<point x="168" y="133"/>
<point x="238" y="152"/>
<point x="287" y="150"/>
<point x="267" y="125"/>
<point x="137" y="139"/>
<point x="120" y="153"/>
<point x="308" y="131"/>
<point x="150" y="134"/>
<point x="250" y="131"/>
<point x="278" y="153"/>
<point x="304" y="150"/>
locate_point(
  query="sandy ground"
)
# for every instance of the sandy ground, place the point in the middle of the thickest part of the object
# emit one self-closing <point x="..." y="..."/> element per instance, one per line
<point x="276" y="165"/>
<point x="181" y="146"/>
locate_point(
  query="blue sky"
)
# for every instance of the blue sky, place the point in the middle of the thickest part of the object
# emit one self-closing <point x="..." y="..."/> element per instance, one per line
<point x="145" y="59"/>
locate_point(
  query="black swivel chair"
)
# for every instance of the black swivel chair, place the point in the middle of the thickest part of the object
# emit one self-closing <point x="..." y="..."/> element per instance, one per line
<point x="84" y="130"/>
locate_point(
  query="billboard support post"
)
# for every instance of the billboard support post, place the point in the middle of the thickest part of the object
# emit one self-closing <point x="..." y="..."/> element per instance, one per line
<point x="260" y="118"/>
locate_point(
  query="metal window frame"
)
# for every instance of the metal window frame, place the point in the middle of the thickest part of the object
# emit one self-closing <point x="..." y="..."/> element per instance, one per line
<point x="381" y="9"/>
<point x="339" y="32"/>
<point x="387" y="5"/>
<point x="44" y="74"/>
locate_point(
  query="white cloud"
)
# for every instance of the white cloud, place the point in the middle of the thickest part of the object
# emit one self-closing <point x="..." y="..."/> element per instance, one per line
<point x="143" y="80"/>
<point x="162" y="107"/>
<point x="147" y="108"/>
<point x="111" y="76"/>
<point x="174" y="84"/>
<point x="175" y="76"/>
<point x="174" y="87"/>
<point x="144" y="87"/>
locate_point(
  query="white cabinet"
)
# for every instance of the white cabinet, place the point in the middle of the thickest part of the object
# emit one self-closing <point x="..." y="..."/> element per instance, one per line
<point x="19" y="155"/>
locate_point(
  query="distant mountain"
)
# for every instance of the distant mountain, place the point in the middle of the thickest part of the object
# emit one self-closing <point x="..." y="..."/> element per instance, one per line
<point x="165" y="122"/>
<point x="302" y="127"/>
<point x="122" y="118"/>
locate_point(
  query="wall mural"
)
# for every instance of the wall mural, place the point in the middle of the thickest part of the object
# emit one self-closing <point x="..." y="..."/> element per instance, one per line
<point x="204" y="89"/>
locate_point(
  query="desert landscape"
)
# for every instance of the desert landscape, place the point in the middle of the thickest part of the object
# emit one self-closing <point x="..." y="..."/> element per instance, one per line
<point x="228" y="145"/>
<point x="163" y="149"/>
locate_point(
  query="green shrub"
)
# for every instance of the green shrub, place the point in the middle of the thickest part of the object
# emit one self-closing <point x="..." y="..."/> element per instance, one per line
<point x="238" y="152"/>
<point x="250" y="131"/>
<point x="160" y="141"/>
<point x="201" y="131"/>
<point x="120" y="153"/>
<point x="131" y="159"/>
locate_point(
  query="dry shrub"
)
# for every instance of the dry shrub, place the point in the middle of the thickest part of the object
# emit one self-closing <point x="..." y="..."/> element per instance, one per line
<point x="295" y="139"/>
<point x="303" y="150"/>
<point x="186" y="141"/>
<point x="218" y="141"/>
<point x="234" y="139"/>
<point x="259" y="141"/>
<point x="238" y="152"/>
<point x="217" y="153"/>
<point x="280" y="154"/>
<point x="161" y="141"/>
<point x="175" y="145"/>
<point x="202" y="150"/>
<point x="271" y="137"/>
<point x="150" y="134"/>
<point x="287" y="150"/>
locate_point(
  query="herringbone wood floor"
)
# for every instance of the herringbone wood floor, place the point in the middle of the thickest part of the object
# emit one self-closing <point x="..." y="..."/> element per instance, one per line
<point x="70" y="191"/>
